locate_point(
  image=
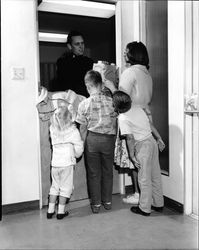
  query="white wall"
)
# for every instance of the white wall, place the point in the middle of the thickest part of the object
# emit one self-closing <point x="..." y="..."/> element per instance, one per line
<point x="20" y="154"/>
<point x="127" y="27"/>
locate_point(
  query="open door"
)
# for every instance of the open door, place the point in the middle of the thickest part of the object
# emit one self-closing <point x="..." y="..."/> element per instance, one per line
<point x="99" y="36"/>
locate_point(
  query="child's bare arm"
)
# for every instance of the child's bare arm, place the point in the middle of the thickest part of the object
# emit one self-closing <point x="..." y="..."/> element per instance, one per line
<point x="78" y="144"/>
<point x="83" y="131"/>
<point x="130" y="141"/>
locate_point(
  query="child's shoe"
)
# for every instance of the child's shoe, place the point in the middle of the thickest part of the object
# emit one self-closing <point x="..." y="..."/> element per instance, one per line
<point x="51" y="210"/>
<point x="95" y="209"/>
<point x="50" y="215"/>
<point x="107" y="205"/>
<point x="132" y="199"/>
<point x="61" y="216"/>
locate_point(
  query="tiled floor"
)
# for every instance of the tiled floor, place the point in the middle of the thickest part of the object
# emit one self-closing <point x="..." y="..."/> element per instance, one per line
<point x="115" y="229"/>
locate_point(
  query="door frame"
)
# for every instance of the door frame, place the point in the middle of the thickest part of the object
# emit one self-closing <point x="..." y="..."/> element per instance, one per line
<point x="191" y="120"/>
<point x="130" y="24"/>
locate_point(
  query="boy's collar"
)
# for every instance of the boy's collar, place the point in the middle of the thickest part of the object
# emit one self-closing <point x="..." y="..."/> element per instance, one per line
<point x="97" y="92"/>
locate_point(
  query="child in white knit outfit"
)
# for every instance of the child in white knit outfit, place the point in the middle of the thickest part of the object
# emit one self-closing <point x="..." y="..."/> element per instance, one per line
<point x="67" y="146"/>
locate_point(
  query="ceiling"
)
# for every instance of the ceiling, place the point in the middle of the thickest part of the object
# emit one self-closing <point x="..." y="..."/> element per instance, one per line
<point x="105" y="1"/>
<point x="100" y="1"/>
<point x="102" y="9"/>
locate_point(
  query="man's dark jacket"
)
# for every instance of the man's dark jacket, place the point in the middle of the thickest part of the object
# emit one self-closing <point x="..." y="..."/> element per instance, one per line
<point x="70" y="74"/>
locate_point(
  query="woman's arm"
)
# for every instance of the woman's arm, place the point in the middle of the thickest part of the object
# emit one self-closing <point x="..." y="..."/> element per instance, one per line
<point x="155" y="132"/>
<point x="157" y="136"/>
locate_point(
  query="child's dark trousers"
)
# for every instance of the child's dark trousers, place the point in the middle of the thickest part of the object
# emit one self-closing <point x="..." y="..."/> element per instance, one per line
<point x="99" y="155"/>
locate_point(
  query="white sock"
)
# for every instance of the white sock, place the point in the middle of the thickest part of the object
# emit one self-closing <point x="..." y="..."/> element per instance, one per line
<point x="51" y="208"/>
<point x="136" y="194"/>
<point x="61" y="209"/>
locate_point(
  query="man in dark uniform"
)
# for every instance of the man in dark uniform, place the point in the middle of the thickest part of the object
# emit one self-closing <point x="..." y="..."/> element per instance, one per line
<point x="72" y="66"/>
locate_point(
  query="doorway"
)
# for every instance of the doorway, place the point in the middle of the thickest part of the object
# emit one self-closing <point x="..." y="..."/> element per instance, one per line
<point x="99" y="36"/>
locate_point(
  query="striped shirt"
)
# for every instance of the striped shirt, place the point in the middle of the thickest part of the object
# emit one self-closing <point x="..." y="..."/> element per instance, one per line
<point x="97" y="113"/>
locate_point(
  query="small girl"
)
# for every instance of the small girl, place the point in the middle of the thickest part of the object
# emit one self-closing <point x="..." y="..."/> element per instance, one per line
<point x="67" y="146"/>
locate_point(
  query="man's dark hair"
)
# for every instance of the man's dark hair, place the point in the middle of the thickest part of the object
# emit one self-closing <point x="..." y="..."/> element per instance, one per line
<point x="94" y="76"/>
<point x="137" y="54"/>
<point x="121" y="101"/>
<point x="71" y="34"/>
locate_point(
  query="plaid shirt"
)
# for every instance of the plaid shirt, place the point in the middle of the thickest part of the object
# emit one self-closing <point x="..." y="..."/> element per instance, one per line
<point x="97" y="113"/>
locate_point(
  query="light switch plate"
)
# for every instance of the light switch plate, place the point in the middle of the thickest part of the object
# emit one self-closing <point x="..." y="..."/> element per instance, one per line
<point x="18" y="73"/>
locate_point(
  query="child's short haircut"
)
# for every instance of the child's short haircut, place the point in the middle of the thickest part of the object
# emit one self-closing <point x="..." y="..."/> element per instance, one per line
<point x="94" y="77"/>
<point x="121" y="101"/>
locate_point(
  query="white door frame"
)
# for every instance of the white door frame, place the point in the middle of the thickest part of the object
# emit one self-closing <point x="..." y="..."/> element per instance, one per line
<point x="129" y="26"/>
<point x="191" y="128"/>
<point x="38" y="121"/>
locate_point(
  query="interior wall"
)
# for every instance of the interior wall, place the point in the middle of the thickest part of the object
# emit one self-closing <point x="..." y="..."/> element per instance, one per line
<point x="127" y="28"/>
<point x="49" y="53"/>
<point x="20" y="153"/>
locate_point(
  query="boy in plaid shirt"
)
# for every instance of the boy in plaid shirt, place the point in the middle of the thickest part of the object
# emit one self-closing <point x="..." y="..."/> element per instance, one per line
<point x="97" y="121"/>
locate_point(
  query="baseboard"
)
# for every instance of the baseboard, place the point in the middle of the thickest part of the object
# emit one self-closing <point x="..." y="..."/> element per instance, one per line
<point x="20" y="207"/>
<point x="173" y="205"/>
<point x="169" y="203"/>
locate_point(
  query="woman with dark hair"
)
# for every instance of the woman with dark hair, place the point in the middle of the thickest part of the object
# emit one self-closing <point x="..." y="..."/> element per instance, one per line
<point x="136" y="81"/>
<point x="137" y="54"/>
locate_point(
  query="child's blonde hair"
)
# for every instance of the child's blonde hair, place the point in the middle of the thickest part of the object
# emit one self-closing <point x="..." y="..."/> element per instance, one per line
<point x="94" y="77"/>
<point x="62" y="116"/>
